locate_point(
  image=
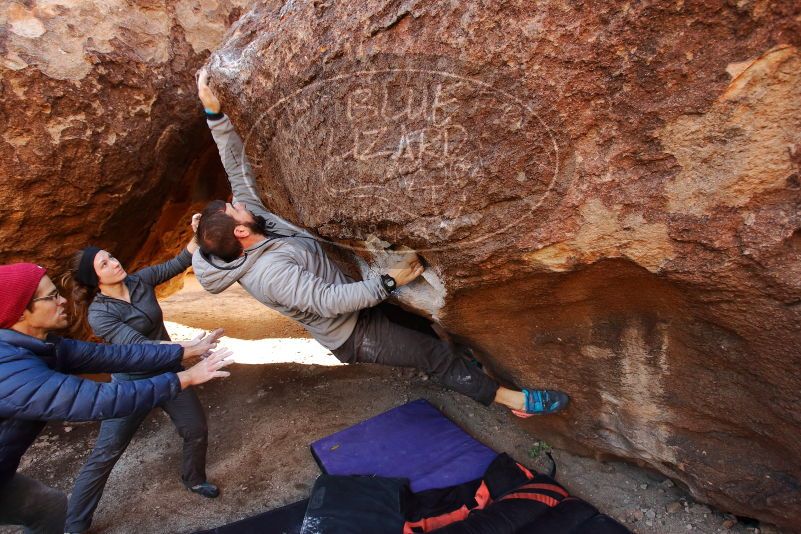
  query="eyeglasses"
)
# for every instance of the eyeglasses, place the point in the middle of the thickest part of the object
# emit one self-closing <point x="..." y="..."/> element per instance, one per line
<point x="55" y="295"/>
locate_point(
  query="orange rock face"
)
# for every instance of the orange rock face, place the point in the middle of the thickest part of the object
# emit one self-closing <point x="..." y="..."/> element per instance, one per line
<point x="607" y="198"/>
<point x="101" y="126"/>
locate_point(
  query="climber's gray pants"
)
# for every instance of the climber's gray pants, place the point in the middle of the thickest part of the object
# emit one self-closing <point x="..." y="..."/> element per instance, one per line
<point x="376" y="339"/>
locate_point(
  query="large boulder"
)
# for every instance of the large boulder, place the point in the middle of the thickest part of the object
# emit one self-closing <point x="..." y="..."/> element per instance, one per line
<point x="101" y="125"/>
<point x="606" y="196"/>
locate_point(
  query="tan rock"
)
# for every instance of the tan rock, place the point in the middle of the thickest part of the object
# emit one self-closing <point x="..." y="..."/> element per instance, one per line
<point x="101" y="126"/>
<point x="743" y="146"/>
<point x="607" y="199"/>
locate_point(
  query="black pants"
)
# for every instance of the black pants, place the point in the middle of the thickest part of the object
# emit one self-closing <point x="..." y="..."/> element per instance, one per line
<point x="376" y="339"/>
<point x="27" y="502"/>
<point x="188" y="417"/>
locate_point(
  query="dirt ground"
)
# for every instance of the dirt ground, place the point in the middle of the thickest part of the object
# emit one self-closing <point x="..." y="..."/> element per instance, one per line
<point x="263" y="418"/>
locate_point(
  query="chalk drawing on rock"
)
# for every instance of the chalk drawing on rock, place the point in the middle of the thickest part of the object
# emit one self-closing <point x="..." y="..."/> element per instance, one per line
<point x="428" y="147"/>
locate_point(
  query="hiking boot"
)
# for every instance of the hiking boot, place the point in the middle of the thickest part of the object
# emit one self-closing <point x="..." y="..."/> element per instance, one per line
<point x="207" y="489"/>
<point x="542" y="402"/>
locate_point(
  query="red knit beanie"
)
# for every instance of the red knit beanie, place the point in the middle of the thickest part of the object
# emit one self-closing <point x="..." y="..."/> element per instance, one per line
<point x="18" y="283"/>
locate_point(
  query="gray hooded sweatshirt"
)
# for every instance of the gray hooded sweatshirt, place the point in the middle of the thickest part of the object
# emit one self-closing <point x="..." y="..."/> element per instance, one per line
<point x="291" y="274"/>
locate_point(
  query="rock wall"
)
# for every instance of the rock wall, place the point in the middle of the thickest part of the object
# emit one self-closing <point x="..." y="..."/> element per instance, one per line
<point x="606" y="195"/>
<point x="101" y="125"/>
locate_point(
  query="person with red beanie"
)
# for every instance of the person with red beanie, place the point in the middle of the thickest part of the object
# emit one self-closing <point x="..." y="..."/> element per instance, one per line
<point x="37" y="384"/>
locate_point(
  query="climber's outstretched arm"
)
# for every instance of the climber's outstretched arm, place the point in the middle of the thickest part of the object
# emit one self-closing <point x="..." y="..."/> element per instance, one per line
<point x="230" y="146"/>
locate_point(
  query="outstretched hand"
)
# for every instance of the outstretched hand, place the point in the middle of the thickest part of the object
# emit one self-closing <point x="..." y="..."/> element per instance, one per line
<point x="207" y="97"/>
<point x="207" y="369"/>
<point x="406" y="269"/>
<point x="202" y="344"/>
<point x="195" y="222"/>
<point x="192" y="246"/>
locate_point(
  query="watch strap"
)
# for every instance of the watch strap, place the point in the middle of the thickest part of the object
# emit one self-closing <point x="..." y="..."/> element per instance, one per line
<point x="389" y="283"/>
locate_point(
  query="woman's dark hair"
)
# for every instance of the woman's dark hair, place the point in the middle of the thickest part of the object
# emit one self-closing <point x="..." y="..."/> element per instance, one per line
<point x="80" y="296"/>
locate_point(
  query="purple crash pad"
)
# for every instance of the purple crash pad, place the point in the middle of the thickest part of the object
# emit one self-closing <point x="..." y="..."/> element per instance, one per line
<point x="414" y="441"/>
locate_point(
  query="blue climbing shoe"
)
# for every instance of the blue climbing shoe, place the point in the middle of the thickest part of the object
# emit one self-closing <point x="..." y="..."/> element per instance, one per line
<point x="542" y="401"/>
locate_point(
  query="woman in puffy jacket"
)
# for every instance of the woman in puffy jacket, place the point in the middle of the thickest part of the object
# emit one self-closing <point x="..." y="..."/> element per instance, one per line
<point x="37" y="384"/>
<point x="122" y="308"/>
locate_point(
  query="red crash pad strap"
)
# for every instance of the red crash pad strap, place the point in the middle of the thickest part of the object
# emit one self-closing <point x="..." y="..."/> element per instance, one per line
<point x="427" y="524"/>
<point x="532" y="491"/>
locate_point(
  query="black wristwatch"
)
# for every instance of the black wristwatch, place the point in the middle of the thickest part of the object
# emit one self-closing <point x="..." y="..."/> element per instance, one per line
<point x="389" y="283"/>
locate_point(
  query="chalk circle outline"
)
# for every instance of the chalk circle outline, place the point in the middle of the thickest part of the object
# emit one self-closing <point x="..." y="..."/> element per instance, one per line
<point x="444" y="74"/>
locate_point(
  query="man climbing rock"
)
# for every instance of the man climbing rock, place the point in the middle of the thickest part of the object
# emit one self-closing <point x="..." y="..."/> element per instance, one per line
<point x="285" y="268"/>
<point x="37" y="385"/>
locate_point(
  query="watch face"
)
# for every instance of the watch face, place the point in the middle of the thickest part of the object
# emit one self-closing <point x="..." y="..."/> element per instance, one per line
<point x="391" y="282"/>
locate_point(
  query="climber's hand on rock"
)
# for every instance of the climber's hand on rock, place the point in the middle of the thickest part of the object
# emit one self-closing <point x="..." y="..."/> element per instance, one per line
<point x="406" y="269"/>
<point x="208" y="98"/>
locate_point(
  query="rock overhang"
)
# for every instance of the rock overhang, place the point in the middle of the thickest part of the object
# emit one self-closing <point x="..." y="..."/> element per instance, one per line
<point x="620" y="220"/>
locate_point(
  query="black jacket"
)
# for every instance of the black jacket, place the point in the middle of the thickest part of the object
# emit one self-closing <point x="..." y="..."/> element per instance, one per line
<point x="141" y="320"/>
<point x="36" y="385"/>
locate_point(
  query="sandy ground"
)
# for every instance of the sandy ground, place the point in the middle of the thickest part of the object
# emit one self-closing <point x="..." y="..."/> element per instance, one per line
<point x="262" y="419"/>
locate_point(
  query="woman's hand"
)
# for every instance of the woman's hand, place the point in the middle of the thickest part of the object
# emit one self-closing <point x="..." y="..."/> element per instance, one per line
<point x="207" y="369"/>
<point x="201" y="345"/>
<point x="192" y="246"/>
<point x="195" y="222"/>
